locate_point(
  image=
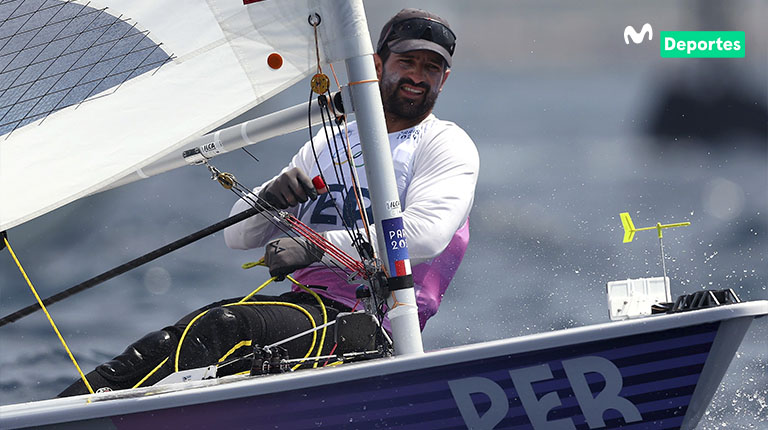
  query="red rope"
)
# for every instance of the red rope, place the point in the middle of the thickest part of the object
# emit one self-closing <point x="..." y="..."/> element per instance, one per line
<point x="331" y="353"/>
<point x="321" y="242"/>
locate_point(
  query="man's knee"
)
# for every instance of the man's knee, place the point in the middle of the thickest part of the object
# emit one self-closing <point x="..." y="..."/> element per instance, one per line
<point x="212" y="325"/>
<point x="140" y="357"/>
<point x="211" y="336"/>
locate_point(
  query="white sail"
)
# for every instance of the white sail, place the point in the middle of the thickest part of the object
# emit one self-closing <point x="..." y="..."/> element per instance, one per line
<point x="217" y="69"/>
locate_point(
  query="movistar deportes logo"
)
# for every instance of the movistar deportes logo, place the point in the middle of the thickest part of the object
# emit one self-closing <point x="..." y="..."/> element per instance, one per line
<point x="637" y="38"/>
<point x="691" y="44"/>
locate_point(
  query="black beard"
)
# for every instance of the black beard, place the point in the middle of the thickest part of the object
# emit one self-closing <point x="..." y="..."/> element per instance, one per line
<point x="396" y="105"/>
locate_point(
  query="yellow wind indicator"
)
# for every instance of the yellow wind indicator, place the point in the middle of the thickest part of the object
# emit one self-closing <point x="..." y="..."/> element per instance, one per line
<point x="630" y="230"/>
<point x="629" y="227"/>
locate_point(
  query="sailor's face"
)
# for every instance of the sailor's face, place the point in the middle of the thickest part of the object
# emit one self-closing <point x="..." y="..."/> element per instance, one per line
<point x="411" y="81"/>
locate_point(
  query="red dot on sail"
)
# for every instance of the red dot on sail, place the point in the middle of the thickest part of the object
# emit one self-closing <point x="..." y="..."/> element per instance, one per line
<point x="275" y="61"/>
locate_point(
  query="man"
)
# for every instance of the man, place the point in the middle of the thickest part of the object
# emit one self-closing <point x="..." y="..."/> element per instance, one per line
<point x="436" y="166"/>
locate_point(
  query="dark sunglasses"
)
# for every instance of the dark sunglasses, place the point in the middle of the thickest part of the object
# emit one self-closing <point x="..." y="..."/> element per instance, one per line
<point x="422" y="28"/>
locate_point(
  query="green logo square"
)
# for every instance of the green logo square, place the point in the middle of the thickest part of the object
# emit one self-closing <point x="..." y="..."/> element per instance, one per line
<point x="702" y="44"/>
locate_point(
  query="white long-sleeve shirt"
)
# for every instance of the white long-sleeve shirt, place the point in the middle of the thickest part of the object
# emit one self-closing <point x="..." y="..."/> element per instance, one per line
<point x="436" y="166"/>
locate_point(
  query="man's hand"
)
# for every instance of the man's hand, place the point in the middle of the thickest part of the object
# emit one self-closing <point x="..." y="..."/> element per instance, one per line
<point x="286" y="255"/>
<point x="289" y="189"/>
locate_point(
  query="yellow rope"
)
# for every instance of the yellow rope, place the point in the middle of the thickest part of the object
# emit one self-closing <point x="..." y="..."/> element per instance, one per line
<point x="235" y="348"/>
<point x="53" y="324"/>
<point x="244" y="301"/>
<point x="322" y="307"/>
<point x="230" y="352"/>
<point x="253" y="264"/>
<point x="138" y="384"/>
<point x="181" y="340"/>
<point x="290" y="278"/>
<point x="253" y="293"/>
<point x="241" y="344"/>
<point x="291" y="305"/>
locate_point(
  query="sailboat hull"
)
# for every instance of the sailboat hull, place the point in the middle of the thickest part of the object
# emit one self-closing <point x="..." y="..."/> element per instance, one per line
<point x="655" y="373"/>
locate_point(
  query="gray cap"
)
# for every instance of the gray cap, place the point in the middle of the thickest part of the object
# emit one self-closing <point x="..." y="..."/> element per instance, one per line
<point x="413" y="29"/>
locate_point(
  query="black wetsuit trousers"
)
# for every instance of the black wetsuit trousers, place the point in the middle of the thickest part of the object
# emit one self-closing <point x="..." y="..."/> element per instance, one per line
<point x="221" y="330"/>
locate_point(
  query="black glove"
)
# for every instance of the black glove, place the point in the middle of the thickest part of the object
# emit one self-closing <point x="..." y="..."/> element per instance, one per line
<point x="289" y="189"/>
<point x="284" y="256"/>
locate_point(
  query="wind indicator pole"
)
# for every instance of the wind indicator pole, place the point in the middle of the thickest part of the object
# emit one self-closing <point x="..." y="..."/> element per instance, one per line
<point x="630" y="230"/>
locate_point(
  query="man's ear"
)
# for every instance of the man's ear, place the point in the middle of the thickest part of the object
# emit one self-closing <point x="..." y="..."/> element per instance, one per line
<point x="379" y="65"/>
<point x="445" y="78"/>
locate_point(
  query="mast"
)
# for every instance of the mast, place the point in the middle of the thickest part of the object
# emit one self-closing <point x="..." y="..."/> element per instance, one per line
<point x="392" y="244"/>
